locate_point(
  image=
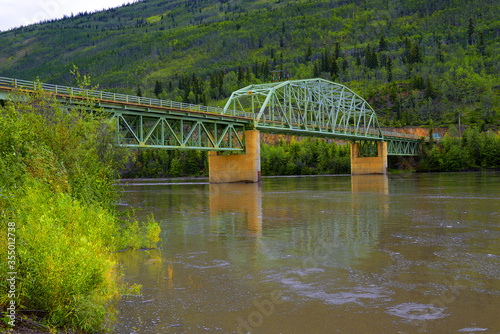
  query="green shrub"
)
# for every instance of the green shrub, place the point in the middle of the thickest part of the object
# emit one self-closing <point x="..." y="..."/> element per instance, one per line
<point x="57" y="175"/>
<point x="307" y="157"/>
<point x="134" y="236"/>
<point x="63" y="255"/>
<point x="474" y="150"/>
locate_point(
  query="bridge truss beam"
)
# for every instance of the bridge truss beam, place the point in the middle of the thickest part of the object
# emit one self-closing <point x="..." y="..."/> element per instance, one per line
<point x="138" y="126"/>
<point x="313" y="107"/>
<point x="159" y="131"/>
<point x="402" y="146"/>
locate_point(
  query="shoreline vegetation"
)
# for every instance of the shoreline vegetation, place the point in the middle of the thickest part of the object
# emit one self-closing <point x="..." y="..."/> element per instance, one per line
<point x="470" y="151"/>
<point x="57" y="206"/>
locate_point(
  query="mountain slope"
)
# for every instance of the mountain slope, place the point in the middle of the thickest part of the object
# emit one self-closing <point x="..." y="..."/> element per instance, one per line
<point x="414" y="60"/>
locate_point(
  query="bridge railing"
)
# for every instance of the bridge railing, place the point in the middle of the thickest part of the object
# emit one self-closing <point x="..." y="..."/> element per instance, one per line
<point x="116" y="97"/>
<point x="400" y="135"/>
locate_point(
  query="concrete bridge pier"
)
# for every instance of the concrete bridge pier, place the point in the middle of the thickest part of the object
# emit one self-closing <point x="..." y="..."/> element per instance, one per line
<point x="369" y="165"/>
<point x="237" y="167"/>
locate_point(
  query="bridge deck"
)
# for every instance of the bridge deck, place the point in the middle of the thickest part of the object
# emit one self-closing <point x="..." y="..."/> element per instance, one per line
<point x="168" y="124"/>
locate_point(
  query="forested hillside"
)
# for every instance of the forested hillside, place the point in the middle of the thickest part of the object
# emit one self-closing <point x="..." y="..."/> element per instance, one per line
<point x="416" y="61"/>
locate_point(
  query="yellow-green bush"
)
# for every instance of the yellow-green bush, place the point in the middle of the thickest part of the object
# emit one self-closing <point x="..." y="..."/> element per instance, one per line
<point x="63" y="255"/>
<point x="134" y="236"/>
<point x="57" y="171"/>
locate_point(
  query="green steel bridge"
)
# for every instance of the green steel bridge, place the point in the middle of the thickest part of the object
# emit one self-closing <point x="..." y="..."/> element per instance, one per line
<point x="311" y="107"/>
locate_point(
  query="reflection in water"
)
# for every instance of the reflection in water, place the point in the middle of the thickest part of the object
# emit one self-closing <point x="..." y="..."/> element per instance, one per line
<point x="243" y="198"/>
<point x="370" y="183"/>
<point x="364" y="254"/>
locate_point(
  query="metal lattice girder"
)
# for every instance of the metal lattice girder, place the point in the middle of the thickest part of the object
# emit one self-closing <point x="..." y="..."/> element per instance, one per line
<point x="175" y="132"/>
<point x="140" y="126"/>
<point x="402" y="146"/>
<point x="314" y="107"/>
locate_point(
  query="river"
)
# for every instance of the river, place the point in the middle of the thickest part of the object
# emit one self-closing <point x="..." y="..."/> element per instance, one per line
<point x="410" y="253"/>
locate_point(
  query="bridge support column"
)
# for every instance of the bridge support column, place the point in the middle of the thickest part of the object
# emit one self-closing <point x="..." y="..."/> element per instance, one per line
<point x="237" y="167"/>
<point x="369" y="165"/>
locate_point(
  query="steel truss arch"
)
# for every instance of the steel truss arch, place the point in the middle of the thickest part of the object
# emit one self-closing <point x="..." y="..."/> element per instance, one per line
<point x="313" y="107"/>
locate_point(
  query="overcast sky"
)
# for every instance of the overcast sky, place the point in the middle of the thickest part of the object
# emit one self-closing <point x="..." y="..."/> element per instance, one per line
<point x="16" y="13"/>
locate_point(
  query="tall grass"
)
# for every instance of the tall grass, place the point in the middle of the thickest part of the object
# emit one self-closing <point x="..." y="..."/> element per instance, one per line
<point x="57" y="171"/>
<point x="63" y="253"/>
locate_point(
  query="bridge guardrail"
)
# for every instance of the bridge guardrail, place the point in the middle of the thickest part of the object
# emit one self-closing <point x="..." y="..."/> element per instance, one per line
<point x="400" y="135"/>
<point x="103" y="95"/>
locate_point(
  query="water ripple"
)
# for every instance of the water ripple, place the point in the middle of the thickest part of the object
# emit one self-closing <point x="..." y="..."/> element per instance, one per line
<point x="414" y="311"/>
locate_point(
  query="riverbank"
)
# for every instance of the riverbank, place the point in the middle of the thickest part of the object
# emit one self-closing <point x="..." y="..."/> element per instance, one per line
<point x="58" y="220"/>
<point x="473" y="150"/>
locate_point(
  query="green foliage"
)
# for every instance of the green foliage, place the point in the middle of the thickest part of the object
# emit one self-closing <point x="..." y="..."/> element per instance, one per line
<point x="64" y="148"/>
<point x="57" y="176"/>
<point x="305" y="158"/>
<point x="163" y="163"/>
<point x="64" y="266"/>
<point x="152" y="233"/>
<point x="133" y="235"/>
<point x="473" y="151"/>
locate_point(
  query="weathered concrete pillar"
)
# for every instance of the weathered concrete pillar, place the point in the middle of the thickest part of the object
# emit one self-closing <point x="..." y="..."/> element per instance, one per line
<point x="369" y="165"/>
<point x="237" y="167"/>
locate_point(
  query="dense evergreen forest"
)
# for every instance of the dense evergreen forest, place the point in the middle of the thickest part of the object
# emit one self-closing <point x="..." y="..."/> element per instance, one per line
<point x="416" y="61"/>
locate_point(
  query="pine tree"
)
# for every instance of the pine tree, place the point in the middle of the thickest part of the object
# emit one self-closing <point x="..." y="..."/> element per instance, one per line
<point x="368" y="56"/>
<point x="482" y="45"/>
<point x="316" y="69"/>
<point x="256" y="69"/>
<point x="345" y="64"/>
<point x="415" y="56"/>
<point x="393" y="94"/>
<point x="389" y="69"/>
<point x="265" y="69"/>
<point x="326" y="63"/>
<point x="334" y="69"/>
<point x="139" y="91"/>
<point x="382" y="44"/>
<point x="308" y="53"/>
<point x="248" y="76"/>
<point x="373" y="60"/>
<point x="158" y="88"/>
<point x="213" y="81"/>
<point x="220" y="81"/>
<point x="337" y="50"/>
<point x="241" y="74"/>
<point x="429" y="89"/>
<point x="470" y="30"/>
<point x="440" y="53"/>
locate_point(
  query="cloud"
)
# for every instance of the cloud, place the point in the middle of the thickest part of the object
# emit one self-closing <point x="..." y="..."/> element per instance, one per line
<point x="14" y="13"/>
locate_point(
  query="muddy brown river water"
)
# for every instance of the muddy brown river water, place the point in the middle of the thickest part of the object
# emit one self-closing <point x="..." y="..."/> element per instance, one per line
<point x="414" y="253"/>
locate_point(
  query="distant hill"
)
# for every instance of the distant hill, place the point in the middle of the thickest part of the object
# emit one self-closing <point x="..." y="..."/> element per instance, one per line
<point x="415" y="61"/>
